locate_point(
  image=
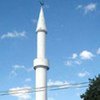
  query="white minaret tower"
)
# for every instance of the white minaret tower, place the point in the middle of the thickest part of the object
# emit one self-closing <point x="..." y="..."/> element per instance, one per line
<point x="41" y="63"/>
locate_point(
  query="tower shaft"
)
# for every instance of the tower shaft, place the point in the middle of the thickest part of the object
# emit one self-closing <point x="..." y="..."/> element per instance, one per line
<point x="41" y="63"/>
<point x="41" y="44"/>
<point x="41" y="78"/>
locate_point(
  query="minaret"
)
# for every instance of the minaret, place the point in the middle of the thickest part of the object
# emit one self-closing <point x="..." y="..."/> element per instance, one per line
<point x="41" y="63"/>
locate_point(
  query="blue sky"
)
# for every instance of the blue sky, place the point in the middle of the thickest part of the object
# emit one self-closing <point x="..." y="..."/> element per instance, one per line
<point x="73" y="45"/>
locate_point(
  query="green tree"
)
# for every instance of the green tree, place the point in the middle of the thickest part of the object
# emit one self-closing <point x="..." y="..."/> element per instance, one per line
<point x="93" y="91"/>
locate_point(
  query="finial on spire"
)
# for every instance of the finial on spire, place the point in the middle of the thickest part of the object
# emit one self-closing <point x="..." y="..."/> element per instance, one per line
<point x="41" y="2"/>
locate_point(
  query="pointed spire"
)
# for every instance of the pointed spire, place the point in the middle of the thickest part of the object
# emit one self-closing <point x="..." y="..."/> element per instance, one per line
<point x="41" y="26"/>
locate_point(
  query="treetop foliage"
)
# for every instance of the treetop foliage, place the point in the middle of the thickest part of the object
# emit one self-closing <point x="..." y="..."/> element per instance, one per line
<point x="93" y="91"/>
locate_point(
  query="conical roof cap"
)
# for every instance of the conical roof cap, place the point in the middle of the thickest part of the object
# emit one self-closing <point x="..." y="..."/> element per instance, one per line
<point x="41" y="25"/>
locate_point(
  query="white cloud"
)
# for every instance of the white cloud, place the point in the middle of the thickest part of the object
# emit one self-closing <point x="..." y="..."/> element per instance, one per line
<point x="13" y="73"/>
<point x="28" y="80"/>
<point x="61" y="84"/>
<point x="14" y="34"/>
<point x="21" y="93"/>
<point x="74" y="56"/>
<point x="74" y="59"/>
<point x="53" y="83"/>
<point x="83" y="74"/>
<point x="72" y="62"/>
<point x="29" y="69"/>
<point x="68" y="63"/>
<point x="78" y="59"/>
<point x="78" y="62"/>
<point x="58" y="83"/>
<point x="16" y="68"/>
<point x="79" y="6"/>
<point x="86" y="55"/>
<point x="88" y="8"/>
<point x="98" y="51"/>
